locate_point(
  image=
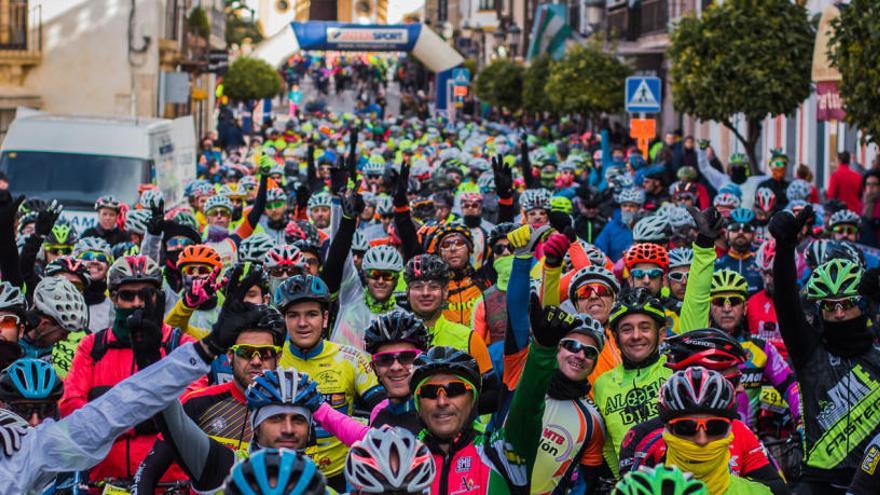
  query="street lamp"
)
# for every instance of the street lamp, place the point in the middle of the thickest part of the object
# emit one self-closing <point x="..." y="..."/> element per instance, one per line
<point x="513" y="32"/>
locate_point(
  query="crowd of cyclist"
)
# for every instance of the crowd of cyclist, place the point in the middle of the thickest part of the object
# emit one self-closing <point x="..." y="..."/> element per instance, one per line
<point x="415" y="306"/>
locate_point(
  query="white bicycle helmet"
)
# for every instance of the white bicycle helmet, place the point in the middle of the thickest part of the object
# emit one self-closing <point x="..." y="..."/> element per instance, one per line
<point x="369" y="468"/>
<point x="532" y="199"/>
<point x="283" y="255"/>
<point x="149" y="198"/>
<point x="359" y="243"/>
<point x="275" y="194"/>
<point x="798" y="189"/>
<point x="320" y="199"/>
<point x="384" y="206"/>
<point x="136" y="221"/>
<point x="95" y="244"/>
<point x="589" y="274"/>
<point x="375" y="165"/>
<point x="727" y="199"/>
<point x="697" y="390"/>
<point x="58" y="298"/>
<point x="680" y="256"/>
<point x="255" y="247"/>
<point x="679" y="218"/>
<point x="844" y="217"/>
<point x="383" y="258"/>
<point x="594" y="254"/>
<point x="217" y="201"/>
<point x="11" y="298"/>
<point x="631" y="195"/>
<point x="130" y="269"/>
<point x="654" y="228"/>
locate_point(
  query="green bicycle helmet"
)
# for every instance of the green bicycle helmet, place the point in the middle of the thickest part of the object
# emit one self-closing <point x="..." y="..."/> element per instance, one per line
<point x="637" y="301"/>
<point x="726" y="281"/>
<point x="834" y="279"/>
<point x="659" y="480"/>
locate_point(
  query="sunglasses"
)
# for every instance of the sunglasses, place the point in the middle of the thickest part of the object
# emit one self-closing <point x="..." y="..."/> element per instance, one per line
<point x="740" y="227"/>
<point x="688" y="427"/>
<point x="380" y="275"/>
<point x="844" y="229"/>
<point x="778" y="164"/>
<point x="275" y="205"/>
<point x="281" y="271"/>
<point x="196" y="270"/>
<point x="471" y="206"/>
<point x="575" y="347"/>
<point x="680" y="277"/>
<point x="310" y="261"/>
<point x="94" y="256"/>
<point x="653" y="273"/>
<point x="9" y="322"/>
<point x="405" y="358"/>
<point x="723" y="300"/>
<point x="59" y="250"/>
<point x="453" y="243"/>
<point x="829" y="305"/>
<point x="502" y="248"/>
<point x="179" y="242"/>
<point x="450" y="390"/>
<point x="248" y="352"/>
<point x="600" y="290"/>
<point x="130" y="295"/>
<point x="219" y="212"/>
<point x="26" y="410"/>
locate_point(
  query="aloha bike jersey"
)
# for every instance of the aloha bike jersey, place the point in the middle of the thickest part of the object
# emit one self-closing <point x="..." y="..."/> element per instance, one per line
<point x="761" y="318"/>
<point x="643" y="445"/>
<point x="626" y="397"/>
<point x="572" y="434"/>
<point x="764" y="366"/>
<point x="221" y="412"/>
<point x="63" y="351"/>
<point x="342" y="373"/>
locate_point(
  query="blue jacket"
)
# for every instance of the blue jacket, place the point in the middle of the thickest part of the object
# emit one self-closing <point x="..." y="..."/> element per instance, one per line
<point x="615" y="238"/>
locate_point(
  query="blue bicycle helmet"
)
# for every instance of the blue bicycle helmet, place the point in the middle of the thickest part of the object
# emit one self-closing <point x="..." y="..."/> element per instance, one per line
<point x="281" y="386"/>
<point x="275" y="472"/>
<point x="742" y="215"/>
<point x="30" y="379"/>
<point x="301" y="288"/>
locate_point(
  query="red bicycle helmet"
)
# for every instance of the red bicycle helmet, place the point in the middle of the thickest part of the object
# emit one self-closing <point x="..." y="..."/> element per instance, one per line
<point x="646" y="252"/>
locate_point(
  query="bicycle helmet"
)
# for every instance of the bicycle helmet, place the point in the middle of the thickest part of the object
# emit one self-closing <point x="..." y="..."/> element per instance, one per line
<point x="30" y="379"/>
<point x="301" y="288"/>
<point x="275" y="194"/>
<point x="680" y="218"/>
<point x="278" y="386"/>
<point x="62" y="234"/>
<point x="32" y="205"/>
<point x="835" y="279"/>
<point x="125" y="249"/>
<point x="136" y="221"/>
<point x="375" y="165"/>
<point x="532" y="199"/>
<point x="217" y="201"/>
<point x="815" y="253"/>
<point x="765" y="255"/>
<point x="232" y="191"/>
<point x="58" y="298"/>
<point x="659" y="480"/>
<point x="271" y="321"/>
<point x="500" y="232"/>
<point x="369" y="467"/>
<point x="637" y="301"/>
<point x="590" y="274"/>
<point x="697" y="390"/>
<point x="741" y="215"/>
<point x="384" y="207"/>
<point x="359" y="243"/>
<point x="635" y="195"/>
<point x="731" y="188"/>
<point x="199" y="254"/>
<point x="320" y="199"/>
<point x="445" y="360"/>
<point x="148" y="199"/>
<point x="798" y="189"/>
<point x="301" y="230"/>
<point x="765" y="199"/>
<point x="255" y="247"/>
<point x="470" y="197"/>
<point x="307" y="246"/>
<point x="795" y="206"/>
<point x="448" y="229"/>
<point x="11" y="299"/>
<point x="68" y="264"/>
<point x="727" y="200"/>
<point x="726" y="281"/>
<point x="845" y="250"/>
<point x="397" y="326"/>
<point x="680" y="257"/>
<point x="646" y="252"/>
<point x="275" y="472"/>
<point x="130" y="269"/>
<point x="283" y="255"/>
<point x="109" y="202"/>
<point x="93" y="244"/>
<point x="585" y="325"/>
<point x="654" y="228"/>
<point x="682" y="188"/>
<point x="486" y="183"/>
<point x="844" y="217"/>
<point x="384" y="258"/>
<point x="561" y="204"/>
<point x="426" y="267"/>
<point x="708" y="347"/>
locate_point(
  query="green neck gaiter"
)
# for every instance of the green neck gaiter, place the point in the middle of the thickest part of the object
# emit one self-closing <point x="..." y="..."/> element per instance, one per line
<point x="120" y="324"/>
<point x="503" y="266"/>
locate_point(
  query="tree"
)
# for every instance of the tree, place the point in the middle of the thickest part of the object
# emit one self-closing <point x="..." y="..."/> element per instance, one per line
<point x="198" y="23"/>
<point x="534" y="80"/>
<point x="855" y="50"/>
<point x="251" y="79"/>
<point x="587" y="81"/>
<point x="749" y="57"/>
<point x="500" y="84"/>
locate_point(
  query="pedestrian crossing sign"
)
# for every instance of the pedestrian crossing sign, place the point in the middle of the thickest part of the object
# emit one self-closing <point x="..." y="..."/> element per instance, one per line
<point x="643" y="94"/>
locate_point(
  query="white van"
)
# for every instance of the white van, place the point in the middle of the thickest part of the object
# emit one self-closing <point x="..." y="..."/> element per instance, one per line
<point x="77" y="159"/>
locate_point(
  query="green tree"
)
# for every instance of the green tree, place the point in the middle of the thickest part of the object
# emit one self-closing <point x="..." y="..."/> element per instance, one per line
<point x="855" y="51"/>
<point x="500" y="84"/>
<point x="198" y="23"/>
<point x="748" y="57"/>
<point x="251" y="79"/>
<point x="587" y="81"/>
<point x="534" y="80"/>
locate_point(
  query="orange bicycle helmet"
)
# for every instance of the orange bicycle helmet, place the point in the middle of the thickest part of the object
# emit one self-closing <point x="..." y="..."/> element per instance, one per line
<point x="646" y="252"/>
<point x="199" y="254"/>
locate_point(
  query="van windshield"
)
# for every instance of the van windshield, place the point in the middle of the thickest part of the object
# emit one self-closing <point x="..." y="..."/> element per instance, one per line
<point x="75" y="180"/>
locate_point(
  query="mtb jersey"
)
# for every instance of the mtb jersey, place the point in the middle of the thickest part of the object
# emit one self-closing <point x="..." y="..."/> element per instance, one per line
<point x="63" y="351"/>
<point x="764" y="366"/>
<point x="464" y="295"/>
<point x="626" y="397"/>
<point x="342" y="374"/>
<point x="447" y="333"/>
<point x="221" y="412"/>
<point x="744" y="265"/>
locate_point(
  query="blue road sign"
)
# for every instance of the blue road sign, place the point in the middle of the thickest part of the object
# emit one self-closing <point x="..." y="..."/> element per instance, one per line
<point x="461" y="77"/>
<point x="643" y="94"/>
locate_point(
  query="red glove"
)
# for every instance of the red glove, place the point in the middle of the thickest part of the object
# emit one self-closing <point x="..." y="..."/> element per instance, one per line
<point x="555" y="248"/>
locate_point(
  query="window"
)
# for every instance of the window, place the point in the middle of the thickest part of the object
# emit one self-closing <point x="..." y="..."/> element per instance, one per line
<point x="487" y="4"/>
<point x="442" y="10"/>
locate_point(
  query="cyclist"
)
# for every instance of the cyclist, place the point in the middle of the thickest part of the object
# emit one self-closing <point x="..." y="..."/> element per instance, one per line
<point x="760" y="309"/>
<point x="58" y="242"/>
<point x="96" y="255"/>
<point x="282" y="262"/>
<point x="697" y="406"/>
<point x="471" y="204"/>
<point x="453" y="243"/>
<point x="12" y="322"/>
<point x="58" y="310"/>
<point x="646" y="262"/>
<point x="777" y="165"/>
<point x="593" y="290"/>
<point x="616" y="237"/>
<point x="371" y="468"/>
<point x="320" y="210"/>
<point x="844" y="225"/>
<point x="110" y="227"/>
<point x="276" y="218"/>
<point x="680" y="260"/>
<point x="199" y="302"/>
<point x="740" y="257"/>
<point x="31" y="389"/>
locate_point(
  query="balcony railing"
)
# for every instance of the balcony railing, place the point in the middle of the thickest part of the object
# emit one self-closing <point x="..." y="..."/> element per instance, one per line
<point x="655" y="16"/>
<point x="648" y="17"/>
<point x="21" y="28"/>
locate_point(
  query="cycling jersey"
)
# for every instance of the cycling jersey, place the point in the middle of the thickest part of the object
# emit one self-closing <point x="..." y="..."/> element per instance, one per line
<point x="342" y="374"/>
<point x="464" y="295"/>
<point x="764" y="365"/>
<point x="744" y="265"/>
<point x="445" y="332"/>
<point x="63" y="351"/>
<point x="867" y="478"/>
<point x="626" y="397"/>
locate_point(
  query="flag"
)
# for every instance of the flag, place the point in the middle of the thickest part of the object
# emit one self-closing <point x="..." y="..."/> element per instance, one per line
<point x="549" y="32"/>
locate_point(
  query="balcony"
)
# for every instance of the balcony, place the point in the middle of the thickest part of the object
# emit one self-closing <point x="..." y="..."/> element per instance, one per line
<point x="646" y="18"/>
<point x="20" y="40"/>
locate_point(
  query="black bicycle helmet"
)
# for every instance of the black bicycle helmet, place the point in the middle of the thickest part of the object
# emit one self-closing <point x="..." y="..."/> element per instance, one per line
<point x="635" y="301"/>
<point x="397" y="326"/>
<point x="68" y="264"/>
<point x="301" y="288"/>
<point x="443" y="359"/>
<point x="308" y="246"/>
<point x="271" y="321"/>
<point x="500" y="232"/>
<point x="697" y="390"/>
<point x="426" y="267"/>
<point x="708" y="347"/>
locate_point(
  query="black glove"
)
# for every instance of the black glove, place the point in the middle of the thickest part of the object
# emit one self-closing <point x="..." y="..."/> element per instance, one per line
<point x="709" y="223"/>
<point x="46" y="219"/>
<point x="338" y="179"/>
<point x="9" y="210"/>
<point x="399" y="199"/>
<point x="503" y="178"/>
<point x="870" y="284"/>
<point x="236" y="315"/>
<point x="784" y="227"/>
<point x="352" y="205"/>
<point x="550" y="324"/>
<point x="145" y="326"/>
<point x="156" y="224"/>
<point x="302" y="197"/>
<point x="560" y="221"/>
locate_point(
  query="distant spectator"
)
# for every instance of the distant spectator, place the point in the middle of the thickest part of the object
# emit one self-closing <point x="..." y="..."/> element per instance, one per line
<point x="804" y="172"/>
<point x="846" y="185"/>
<point x="4" y="181"/>
<point x="870" y="228"/>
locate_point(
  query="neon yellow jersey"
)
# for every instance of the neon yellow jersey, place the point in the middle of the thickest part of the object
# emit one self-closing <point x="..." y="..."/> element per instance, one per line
<point x="63" y="350"/>
<point x="342" y="373"/>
